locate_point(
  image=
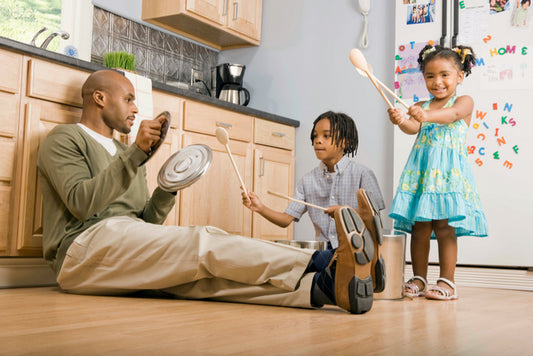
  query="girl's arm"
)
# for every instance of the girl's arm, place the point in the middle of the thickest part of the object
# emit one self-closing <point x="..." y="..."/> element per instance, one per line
<point x="462" y="109"/>
<point x="397" y="117"/>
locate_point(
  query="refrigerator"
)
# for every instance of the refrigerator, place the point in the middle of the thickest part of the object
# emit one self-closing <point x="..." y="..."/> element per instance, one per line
<point x="500" y="135"/>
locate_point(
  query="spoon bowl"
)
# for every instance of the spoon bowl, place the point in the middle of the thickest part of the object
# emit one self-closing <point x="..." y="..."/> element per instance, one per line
<point x="222" y="135"/>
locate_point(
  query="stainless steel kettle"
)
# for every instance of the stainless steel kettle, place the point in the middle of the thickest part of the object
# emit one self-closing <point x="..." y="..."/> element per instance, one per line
<point x="235" y="94"/>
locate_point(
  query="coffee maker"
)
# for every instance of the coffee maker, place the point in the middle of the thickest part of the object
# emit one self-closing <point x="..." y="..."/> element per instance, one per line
<point x="227" y="83"/>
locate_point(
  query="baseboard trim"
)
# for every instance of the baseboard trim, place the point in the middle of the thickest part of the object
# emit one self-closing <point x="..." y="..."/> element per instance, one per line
<point x="18" y="272"/>
<point x="35" y="272"/>
<point x="499" y="278"/>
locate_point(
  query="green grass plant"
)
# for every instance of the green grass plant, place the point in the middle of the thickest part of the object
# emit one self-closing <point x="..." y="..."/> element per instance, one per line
<point x="122" y="60"/>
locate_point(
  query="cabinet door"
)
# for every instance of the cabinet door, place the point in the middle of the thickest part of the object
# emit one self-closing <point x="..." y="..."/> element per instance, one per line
<point x="215" y="199"/>
<point x="40" y="117"/>
<point x="10" y="82"/>
<point x="214" y="10"/>
<point x="244" y="16"/>
<point x="274" y="171"/>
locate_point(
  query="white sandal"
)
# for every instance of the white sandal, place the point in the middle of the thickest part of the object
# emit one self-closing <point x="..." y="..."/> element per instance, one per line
<point x="443" y="293"/>
<point x="414" y="290"/>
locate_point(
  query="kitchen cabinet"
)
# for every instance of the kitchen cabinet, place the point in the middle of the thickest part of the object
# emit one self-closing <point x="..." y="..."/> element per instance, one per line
<point x="10" y="82"/>
<point x="221" y="24"/>
<point x="274" y="171"/>
<point x="215" y="199"/>
<point x="38" y="94"/>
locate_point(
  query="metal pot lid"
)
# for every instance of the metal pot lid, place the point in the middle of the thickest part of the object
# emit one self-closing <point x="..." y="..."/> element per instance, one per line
<point x="164" y="130"/>
<point x="184" y="167"/>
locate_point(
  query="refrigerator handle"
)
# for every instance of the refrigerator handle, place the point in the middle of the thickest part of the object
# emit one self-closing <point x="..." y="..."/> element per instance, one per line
<point x="455" y="22"/>
<point x="444" y="31"/>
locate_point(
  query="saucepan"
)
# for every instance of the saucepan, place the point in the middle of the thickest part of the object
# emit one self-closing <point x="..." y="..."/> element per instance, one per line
<point x="315" y="245"/>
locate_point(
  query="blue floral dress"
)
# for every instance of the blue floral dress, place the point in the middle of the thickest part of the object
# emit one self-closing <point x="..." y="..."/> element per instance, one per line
<point x="437" y="181"/>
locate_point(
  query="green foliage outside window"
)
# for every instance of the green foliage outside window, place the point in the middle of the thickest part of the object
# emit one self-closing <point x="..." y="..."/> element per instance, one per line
<point x="21" y="19"/>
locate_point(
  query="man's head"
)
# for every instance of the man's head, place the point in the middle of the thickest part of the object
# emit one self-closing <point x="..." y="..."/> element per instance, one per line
<point x="108" y="103"/>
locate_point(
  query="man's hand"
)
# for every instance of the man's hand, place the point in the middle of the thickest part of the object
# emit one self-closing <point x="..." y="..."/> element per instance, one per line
<point x="149" y="133"/>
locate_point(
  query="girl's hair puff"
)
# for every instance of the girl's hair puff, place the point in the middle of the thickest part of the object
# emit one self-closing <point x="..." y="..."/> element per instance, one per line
<point x="342" y="130"/>
<point x="463" y="56"/>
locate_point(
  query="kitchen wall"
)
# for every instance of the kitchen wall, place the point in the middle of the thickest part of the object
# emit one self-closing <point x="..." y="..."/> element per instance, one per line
<point x="160" y="55"/>
<point x="302" y="69"/>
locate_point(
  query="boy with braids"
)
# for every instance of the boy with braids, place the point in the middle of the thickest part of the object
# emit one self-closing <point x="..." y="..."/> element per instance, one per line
<point x="337" y="181"/>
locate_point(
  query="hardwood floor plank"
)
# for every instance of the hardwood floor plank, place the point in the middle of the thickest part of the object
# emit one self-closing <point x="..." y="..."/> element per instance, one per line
<point x="46" y="321"/>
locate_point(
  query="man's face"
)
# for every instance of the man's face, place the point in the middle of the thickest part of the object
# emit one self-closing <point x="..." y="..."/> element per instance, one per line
<point x="120" y="109"/>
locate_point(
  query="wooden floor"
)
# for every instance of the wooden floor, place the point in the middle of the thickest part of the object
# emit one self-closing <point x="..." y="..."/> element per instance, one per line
<point x="45" y="321"/>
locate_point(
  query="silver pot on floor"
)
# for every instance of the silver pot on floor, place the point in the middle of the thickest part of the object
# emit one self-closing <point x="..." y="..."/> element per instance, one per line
<point x="315" y="245"/>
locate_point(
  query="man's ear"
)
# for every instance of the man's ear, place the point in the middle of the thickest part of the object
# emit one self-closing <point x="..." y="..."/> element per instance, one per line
<point x="99" y="97"/>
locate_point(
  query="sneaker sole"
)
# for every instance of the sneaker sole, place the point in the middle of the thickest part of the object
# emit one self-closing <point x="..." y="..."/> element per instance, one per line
<point x="375" y="225"/>
<point x="353" y="279"/>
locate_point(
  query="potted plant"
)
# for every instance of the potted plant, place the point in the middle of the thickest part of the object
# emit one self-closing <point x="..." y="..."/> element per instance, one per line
<point x="121" y="60"/>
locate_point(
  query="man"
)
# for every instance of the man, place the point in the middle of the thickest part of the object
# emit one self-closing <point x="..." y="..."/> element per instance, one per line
<point x="102" y="232"/>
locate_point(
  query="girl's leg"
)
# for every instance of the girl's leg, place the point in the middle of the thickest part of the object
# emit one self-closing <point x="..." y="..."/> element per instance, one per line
<point x="447" y="250"/>
<point x="420" y="250"/>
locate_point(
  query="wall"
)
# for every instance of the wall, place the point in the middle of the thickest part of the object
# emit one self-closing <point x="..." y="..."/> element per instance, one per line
<point x="302" y="69"/>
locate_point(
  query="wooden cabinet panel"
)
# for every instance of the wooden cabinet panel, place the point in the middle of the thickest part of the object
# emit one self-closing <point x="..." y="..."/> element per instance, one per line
<point x="7" y="147"/>
<point x="40" y="118"/>
<point x="205" y="119"/>
<point x="215" y="199"/>
<point x="9" y="114"/>
<point x="10" y="77"/>
<point x="244" y="16"/>
<point x="274" y="170"/>
<point x="5" y="225"/>
<point x="54" y="82"/>
<point x="274" y="134"/>
<point x="171" y="103"/>
<point x="214" y="10"/>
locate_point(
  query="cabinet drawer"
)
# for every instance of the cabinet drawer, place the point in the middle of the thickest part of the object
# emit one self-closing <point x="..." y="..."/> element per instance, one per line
<point x="11" y="70"/>
<point x="205" y="119"/>
<point x="274" y="134"/>
<point x="54" y="82"/>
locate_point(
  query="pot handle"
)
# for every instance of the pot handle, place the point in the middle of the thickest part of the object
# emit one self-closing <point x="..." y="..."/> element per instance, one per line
<point x="246" y="96"/>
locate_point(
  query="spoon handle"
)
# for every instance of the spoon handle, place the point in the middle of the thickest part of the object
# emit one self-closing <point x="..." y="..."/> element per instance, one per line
<point x="296" y="200"/>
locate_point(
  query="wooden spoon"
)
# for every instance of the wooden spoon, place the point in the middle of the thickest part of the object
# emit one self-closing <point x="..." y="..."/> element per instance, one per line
<point x="363" y="73"/>
<point x="358" y="60"/>
<point x="223" y="138"/>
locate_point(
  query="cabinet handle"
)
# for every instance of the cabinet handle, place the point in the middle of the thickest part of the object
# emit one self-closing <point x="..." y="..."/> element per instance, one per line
<point x="225" y="13"/>
<point x="262" y="173"/>
<point x="223" y="124"/>
<point x="278" y="134"/>
<point x="236" y="10"/>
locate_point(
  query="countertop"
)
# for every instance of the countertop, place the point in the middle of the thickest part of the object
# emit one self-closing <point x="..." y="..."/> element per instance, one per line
<point x="16" y="46"/>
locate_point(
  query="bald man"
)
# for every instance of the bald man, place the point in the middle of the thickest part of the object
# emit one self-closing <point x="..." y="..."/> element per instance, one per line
<point x="102" y="231"/>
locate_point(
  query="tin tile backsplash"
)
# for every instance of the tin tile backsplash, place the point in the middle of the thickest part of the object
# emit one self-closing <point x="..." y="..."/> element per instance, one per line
<point x="160" y="56"/>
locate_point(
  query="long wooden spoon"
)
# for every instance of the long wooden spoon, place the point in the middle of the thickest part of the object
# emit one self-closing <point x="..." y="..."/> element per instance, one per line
<point x="223" y="138"/>
<point x="358" y="60"/>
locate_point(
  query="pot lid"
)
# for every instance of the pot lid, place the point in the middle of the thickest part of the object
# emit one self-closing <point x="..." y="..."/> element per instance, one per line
<point x="164" y="129"/>
<point x="184" y="167"/>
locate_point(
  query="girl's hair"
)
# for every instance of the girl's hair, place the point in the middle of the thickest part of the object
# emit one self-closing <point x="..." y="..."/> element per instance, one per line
<point x="463" y="56"/>
<point x="342" y="130"/>
<point x="524" y="1"/>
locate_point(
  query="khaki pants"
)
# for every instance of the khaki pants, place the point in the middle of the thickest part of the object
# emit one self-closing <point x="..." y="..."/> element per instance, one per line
<point x="122" y="255"/>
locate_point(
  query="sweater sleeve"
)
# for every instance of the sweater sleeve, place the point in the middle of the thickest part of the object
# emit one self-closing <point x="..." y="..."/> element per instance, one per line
<point x="158" y="206"/>
<point x="70" y="169"/>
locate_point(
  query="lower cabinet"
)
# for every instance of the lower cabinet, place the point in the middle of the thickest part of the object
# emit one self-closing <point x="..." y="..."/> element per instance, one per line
<point x="273" y="171"/>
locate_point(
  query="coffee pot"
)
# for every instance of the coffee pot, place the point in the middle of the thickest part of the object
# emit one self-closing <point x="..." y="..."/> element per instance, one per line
<point x="227" y="83"/>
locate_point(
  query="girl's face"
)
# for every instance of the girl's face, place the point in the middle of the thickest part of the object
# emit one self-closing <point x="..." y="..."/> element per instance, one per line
<point x="325" y="149"/>
<point x="525" y="5"/>
<point x="442" y="77"/>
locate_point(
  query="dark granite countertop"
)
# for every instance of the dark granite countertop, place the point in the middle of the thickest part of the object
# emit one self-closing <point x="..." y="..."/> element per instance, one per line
<point x="16" y="46"/>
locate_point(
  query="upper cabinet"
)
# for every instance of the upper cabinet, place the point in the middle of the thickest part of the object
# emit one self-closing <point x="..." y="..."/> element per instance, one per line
<point x="221" y="24"/>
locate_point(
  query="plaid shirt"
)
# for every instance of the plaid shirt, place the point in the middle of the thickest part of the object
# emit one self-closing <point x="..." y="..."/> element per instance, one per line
<point x="319" y="187"/>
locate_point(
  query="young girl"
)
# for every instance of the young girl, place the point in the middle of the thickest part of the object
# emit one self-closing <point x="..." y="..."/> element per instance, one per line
<point x="436" y="193"/>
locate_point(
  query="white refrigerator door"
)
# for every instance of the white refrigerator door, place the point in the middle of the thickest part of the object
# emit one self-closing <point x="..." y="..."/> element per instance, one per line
<point x="500" y="136"/>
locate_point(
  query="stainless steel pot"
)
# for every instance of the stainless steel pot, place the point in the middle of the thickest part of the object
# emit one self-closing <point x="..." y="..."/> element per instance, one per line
<point x="315" y="245"/>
